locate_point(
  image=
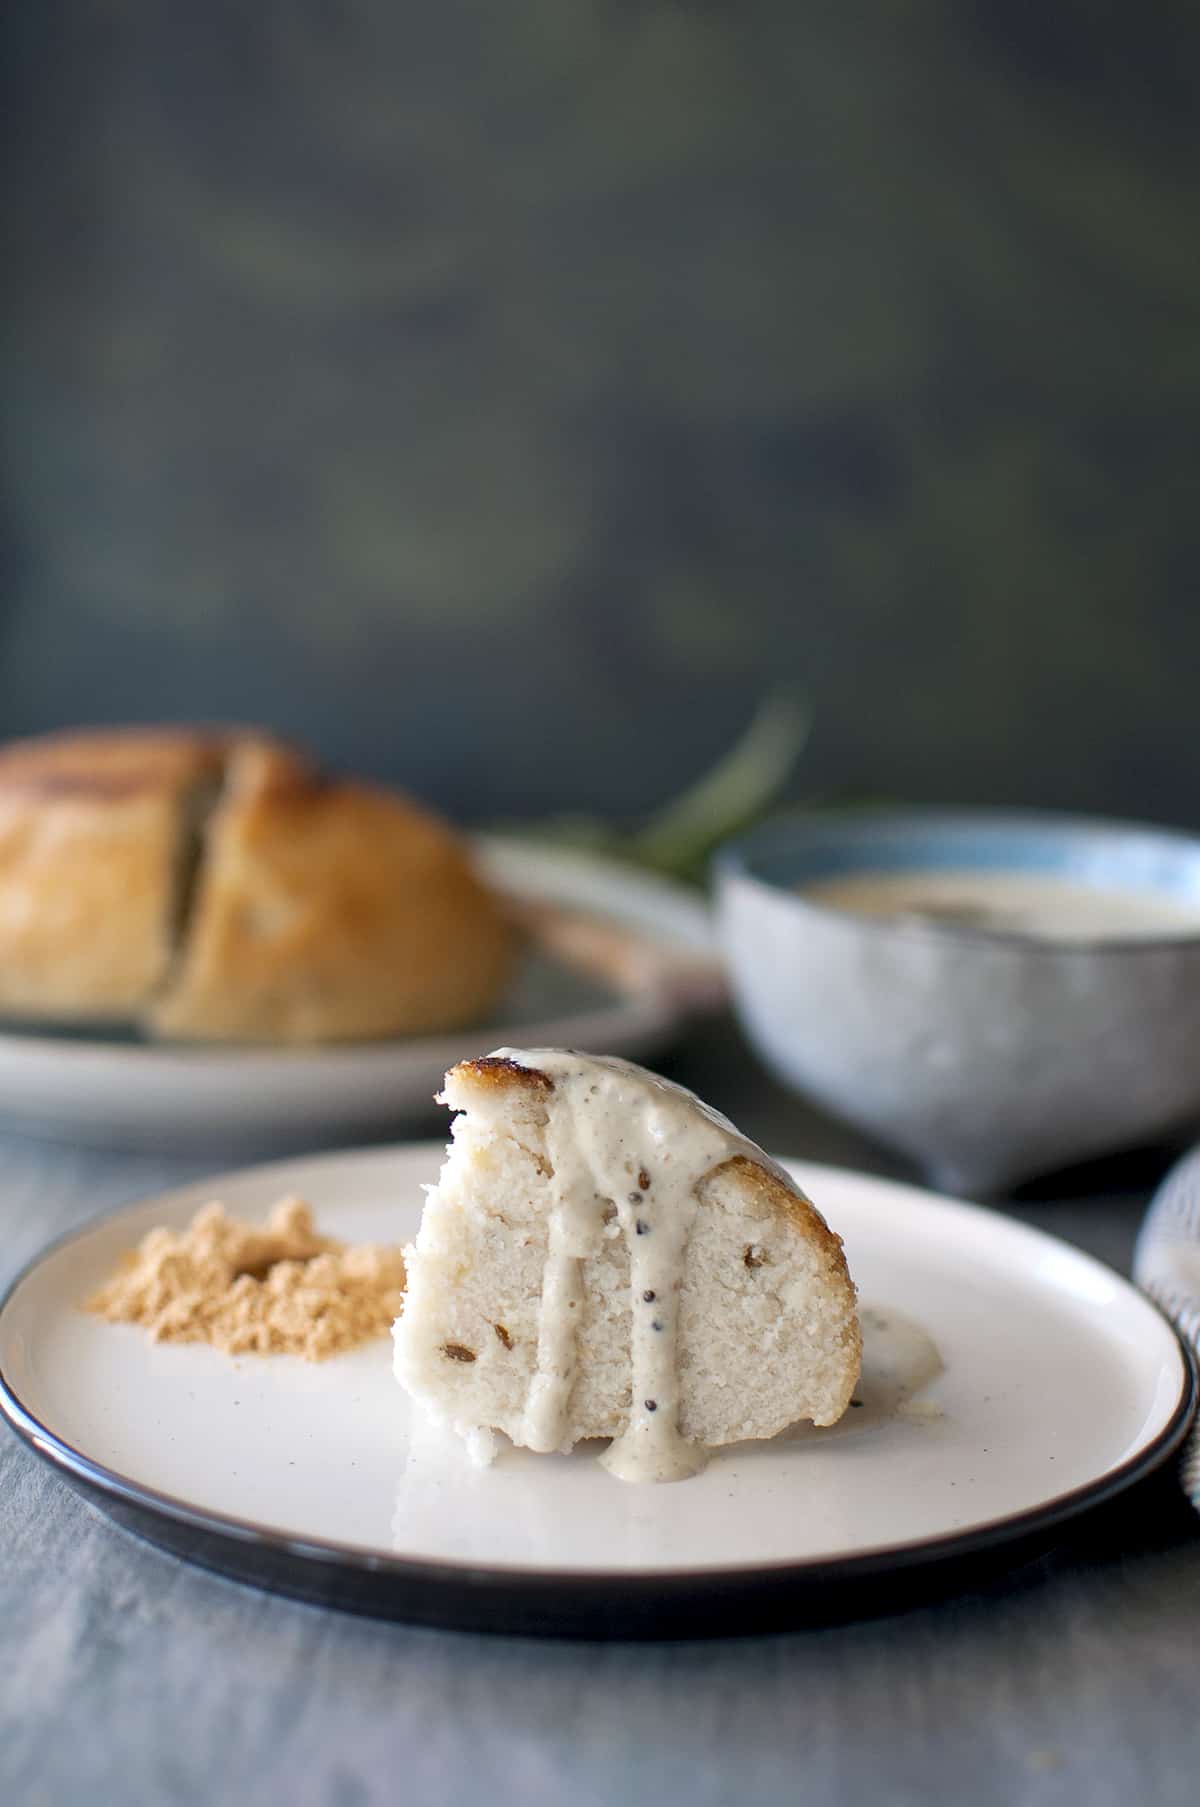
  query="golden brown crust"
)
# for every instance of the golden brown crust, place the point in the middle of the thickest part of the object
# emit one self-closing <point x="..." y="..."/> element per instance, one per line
<point x="500" y="1074"/>
<point x="111" y="762"/>
<point x="330" y="911"/>
<point x="770" y="1190"/>
<point x="786" y="1200"/>
<point x="790" y="1202"/>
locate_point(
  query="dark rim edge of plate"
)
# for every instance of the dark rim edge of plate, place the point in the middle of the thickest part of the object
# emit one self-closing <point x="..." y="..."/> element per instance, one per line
<point x="481" y="1587"/>
<point x="591" y="1585"/>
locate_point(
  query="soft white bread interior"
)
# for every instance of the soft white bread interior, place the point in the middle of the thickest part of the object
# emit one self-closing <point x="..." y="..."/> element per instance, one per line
<point x="767" y="1332"/>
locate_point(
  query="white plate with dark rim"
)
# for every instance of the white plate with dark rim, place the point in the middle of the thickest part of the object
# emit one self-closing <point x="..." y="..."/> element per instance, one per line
<point x="1062" y="1385"/>
<point x="119" y="1091"/>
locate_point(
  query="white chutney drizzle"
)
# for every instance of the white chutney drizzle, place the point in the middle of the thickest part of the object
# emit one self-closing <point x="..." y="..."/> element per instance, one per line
<point x="618" y="1136"/>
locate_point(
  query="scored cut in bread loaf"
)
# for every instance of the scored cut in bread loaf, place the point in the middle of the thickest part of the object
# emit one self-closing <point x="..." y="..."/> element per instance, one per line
<point x="752" y="1315"/>
<point x="211" y="884"/>
<point x="330" y="911"/>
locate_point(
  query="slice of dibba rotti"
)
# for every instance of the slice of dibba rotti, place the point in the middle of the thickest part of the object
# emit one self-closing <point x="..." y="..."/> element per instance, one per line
<point x="604" y="1256"/>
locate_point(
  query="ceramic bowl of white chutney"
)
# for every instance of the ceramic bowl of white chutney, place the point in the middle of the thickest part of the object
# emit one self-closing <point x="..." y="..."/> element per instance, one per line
<point x="993" y="995"/>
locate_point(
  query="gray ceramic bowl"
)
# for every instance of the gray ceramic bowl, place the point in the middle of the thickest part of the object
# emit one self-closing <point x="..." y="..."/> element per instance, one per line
<point x="986" y="1058"/>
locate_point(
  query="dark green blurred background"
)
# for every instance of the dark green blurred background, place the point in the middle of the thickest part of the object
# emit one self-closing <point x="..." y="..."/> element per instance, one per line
<point x="503" y="394"/>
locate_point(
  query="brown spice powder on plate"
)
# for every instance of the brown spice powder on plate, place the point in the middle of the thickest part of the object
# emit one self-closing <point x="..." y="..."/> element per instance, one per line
<point x="273" y="1289"/>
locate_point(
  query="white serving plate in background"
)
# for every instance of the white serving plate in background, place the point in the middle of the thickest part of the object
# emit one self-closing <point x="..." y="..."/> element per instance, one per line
<point x="123" y="1092"/>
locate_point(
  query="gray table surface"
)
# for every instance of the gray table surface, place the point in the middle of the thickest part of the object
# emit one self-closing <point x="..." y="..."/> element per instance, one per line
<point x="129" y="1677"/>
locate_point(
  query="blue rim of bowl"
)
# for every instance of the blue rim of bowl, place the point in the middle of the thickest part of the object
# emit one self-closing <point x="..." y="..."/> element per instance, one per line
<point x="865" y="826"/>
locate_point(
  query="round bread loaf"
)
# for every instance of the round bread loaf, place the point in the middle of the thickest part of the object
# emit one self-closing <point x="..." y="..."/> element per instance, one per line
<point x="213" y="885"/>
